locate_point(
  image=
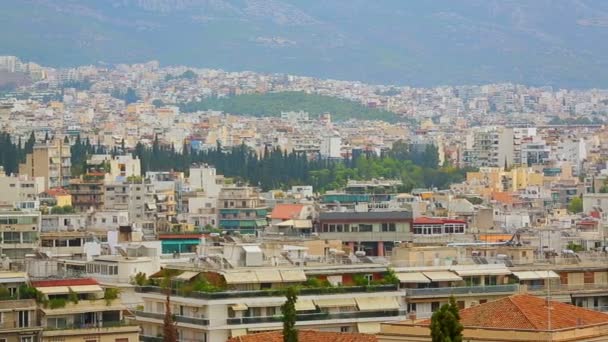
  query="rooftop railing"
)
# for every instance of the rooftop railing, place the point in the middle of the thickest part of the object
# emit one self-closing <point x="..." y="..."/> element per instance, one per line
<point x="463" y="290"/>
<point x="318" y="316"/>
<point x="267" y="293"/>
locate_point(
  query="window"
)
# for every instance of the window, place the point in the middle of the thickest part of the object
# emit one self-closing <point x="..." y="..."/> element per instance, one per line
<point x="11" y="237"/>
<point x="460" y="304"/>
<point x="61" y="243"/>
<point x="332" y="228"/>
<point x="29" y="237"/>
<point x="434" y="306"/>
<point x="346" y="228"/>
<point x="411" y="307"/>
<point x="364" y="228"/>
<point x="121" y="340"/>
<point x="24" y="320"/>
<point x="339" y="228"/>
<point x="27" y="339"/>
<point x="344" y="329"/>
<point x="589" y="277"/>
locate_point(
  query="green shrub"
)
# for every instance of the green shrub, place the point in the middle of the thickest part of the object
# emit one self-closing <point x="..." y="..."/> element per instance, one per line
<point x="57" y="303"/>
<point x="110" y="294"/>
<point x="73" y="297"/>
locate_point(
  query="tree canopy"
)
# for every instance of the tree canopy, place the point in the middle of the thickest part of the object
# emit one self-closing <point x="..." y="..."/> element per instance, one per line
<point x="272" y="104"/>
<point x="445" y="323"/>
<point x="288" y="310"/>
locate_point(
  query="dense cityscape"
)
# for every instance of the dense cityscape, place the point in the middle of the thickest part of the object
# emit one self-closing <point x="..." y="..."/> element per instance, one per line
<point x="169" y="203"/>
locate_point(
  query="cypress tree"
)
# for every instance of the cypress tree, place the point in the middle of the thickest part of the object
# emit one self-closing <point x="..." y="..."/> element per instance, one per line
<point x="288" y="309"/>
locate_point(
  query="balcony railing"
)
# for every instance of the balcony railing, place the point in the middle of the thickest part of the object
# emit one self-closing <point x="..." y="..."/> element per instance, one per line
<point x="318" y="316"/>
<point x="144" y="338"/>
<point x="568" y="287"/>
<point x="268" y="293"/>
<point x="104" y="324"/>
<point x="464" y="290"/>
<point x="177" y="318"/>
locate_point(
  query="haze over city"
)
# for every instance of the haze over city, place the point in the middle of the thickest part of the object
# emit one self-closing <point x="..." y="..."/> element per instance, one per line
<point x="285" y="170"/>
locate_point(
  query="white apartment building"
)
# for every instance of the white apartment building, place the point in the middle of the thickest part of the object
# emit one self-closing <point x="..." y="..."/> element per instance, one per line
<point x="489" y="146"/>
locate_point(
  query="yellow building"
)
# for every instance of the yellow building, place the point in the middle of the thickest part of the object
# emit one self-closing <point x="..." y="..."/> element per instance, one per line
<point x="50" y="160"/>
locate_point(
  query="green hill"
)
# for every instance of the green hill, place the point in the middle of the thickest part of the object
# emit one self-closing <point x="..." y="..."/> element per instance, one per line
<point x="272" y="104"/>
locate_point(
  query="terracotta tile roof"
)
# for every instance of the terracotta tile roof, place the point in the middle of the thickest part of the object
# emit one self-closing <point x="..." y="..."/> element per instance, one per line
<point x="526" y="312"/>
<point x="286" y="211"/>
<point x="306" y="336"/>
<point x="65" y="282"/>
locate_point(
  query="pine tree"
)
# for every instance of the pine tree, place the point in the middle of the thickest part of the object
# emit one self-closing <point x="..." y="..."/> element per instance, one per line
<point x="445" y="323"/>
<point x="288" y="309"/>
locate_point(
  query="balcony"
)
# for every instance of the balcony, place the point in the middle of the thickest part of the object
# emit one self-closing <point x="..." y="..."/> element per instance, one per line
<point x="318" y="316"/>
<point x="462" y="291"/>
<point x="177" y="318"/>
<point x="567" y="288"/>
<point x="111" y="327"/>
<point x="268" y="293"/>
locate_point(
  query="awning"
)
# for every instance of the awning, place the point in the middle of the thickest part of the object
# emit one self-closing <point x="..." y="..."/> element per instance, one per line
<point x="302" y="224"/>
<point x="54" y="290"/>
<point x="288" y="223"/>
<point x="547" y="274"/>
<point x="377" y="303"/>
<point x="82" y="308"/>
<point x="334" y="303"/>
<point x="368" y="328"/>
<point x="412" y="277"/>
<point x="186" y="276"/>
<point x="470" y="271"/>
<point x="442" y="276"/>
<point x="151" y="206"/>
<point x="269" y="276"/>
<point x="293" y="276"/>
<point x="86" y="288"/>
<point x="305" y="305"/>
<point x="238" y="332"/>
<point x="239" y="307"/>
<point x="241" y="278"/>
<point x="12" y="277"/>
<point x="535" y="275"/>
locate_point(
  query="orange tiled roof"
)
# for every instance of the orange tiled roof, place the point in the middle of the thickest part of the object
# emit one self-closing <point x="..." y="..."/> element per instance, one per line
<point x="286" y="211"/>
<point x="306" y="336"/>
<point x="65" y="282"/>
<point x="528" y="312"/>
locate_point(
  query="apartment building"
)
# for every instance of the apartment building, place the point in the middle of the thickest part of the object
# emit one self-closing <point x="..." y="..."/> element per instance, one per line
<point x="489" y="146"/>
<point x="241" y="209"/>
<point x="374" y="232"/>
<point x="20" y="233"/>
<point x="79" y="309"/>
<point x="87" y="194"/>
<point x="15" y="189"/>
<point x="137" y="198"/>
<point x="18" y="312"/>
<point x="248" y="300"/>
<point x="50" y="160"/>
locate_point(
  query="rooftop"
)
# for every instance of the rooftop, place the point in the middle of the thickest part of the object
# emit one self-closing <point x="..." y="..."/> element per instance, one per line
<point x="526" y="312"/>
<point x="65" y="282"/>
<point x="286" y="211"/>
<point x="306" y="336"/>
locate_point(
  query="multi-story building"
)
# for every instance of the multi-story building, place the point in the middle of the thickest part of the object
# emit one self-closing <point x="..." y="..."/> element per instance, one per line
<point x="241" y="209"/>
<point x="16" y="189"/>
<point x="18" y="312"/>
<point x="20" y="233"/>
<point x="87" y="194"/>
<point x="490" y="146"/>
<point x="80" y="310"/>
<point x="205" y="178"/>
<point x="51" y="161"/>
<point x="135" y="197"/>
<point x="374" y="232"/>
<point x="248" y="299"/>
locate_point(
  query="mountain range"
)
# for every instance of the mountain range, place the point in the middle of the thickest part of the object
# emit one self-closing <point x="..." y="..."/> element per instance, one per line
<point x="417" y="43"/>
